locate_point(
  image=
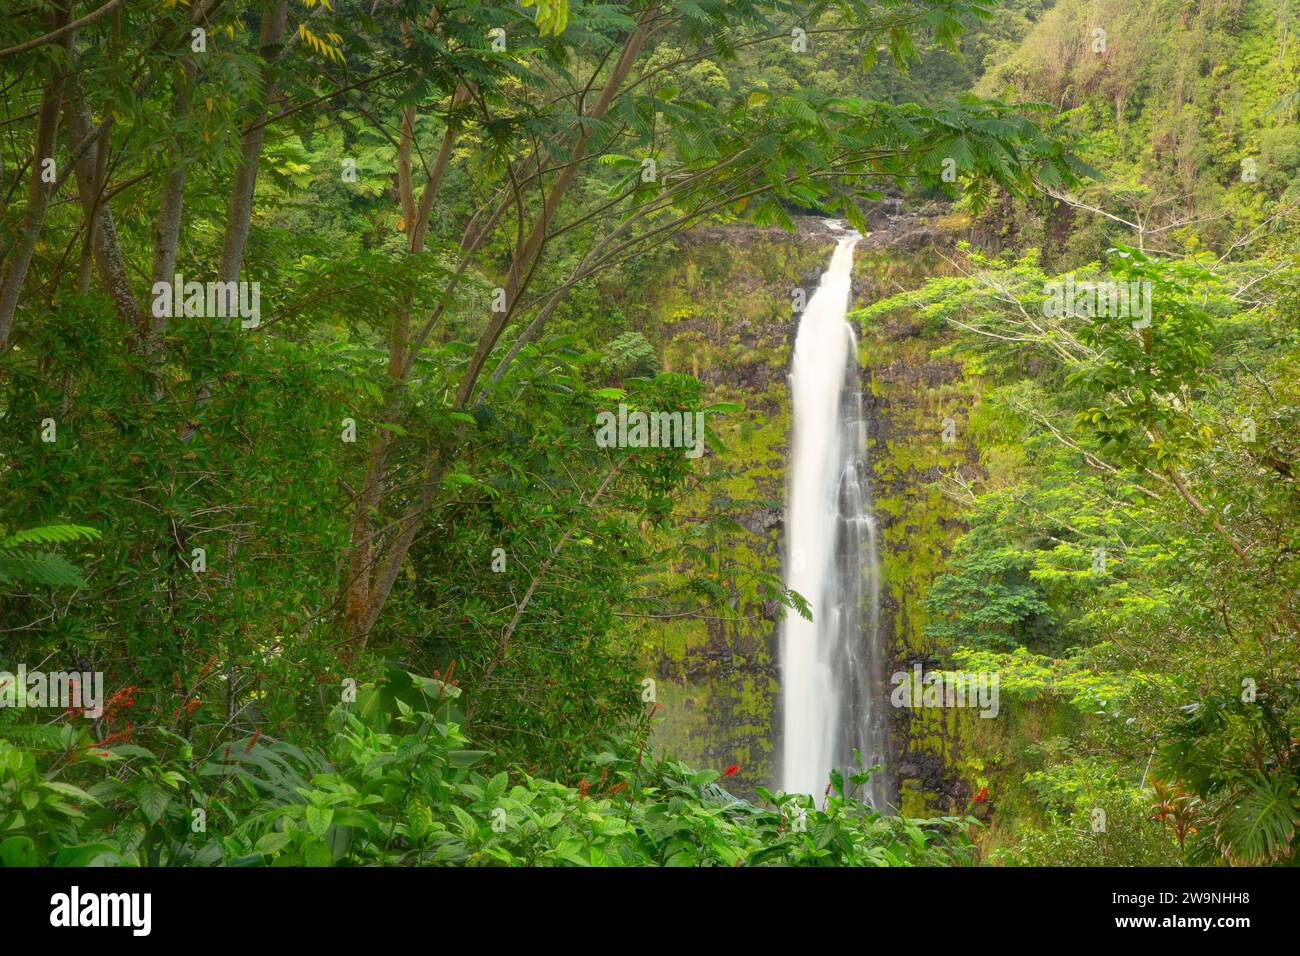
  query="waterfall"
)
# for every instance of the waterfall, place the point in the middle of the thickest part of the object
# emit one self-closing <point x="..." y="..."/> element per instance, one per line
<point x="833" y="667"/>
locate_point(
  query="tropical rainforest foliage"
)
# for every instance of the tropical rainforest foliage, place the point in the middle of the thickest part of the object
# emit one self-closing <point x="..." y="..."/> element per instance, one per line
<point x="1130" y="567"/>
<point x="334" y="529"/>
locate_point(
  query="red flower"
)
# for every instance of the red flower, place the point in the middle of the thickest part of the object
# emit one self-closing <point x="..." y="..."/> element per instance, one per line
<point x="118" y="700"/>
<point x="730" y="770"/>
<point x="982" y="796"/>
<point x="118" y="737"/>
<point x="582" y="788"/>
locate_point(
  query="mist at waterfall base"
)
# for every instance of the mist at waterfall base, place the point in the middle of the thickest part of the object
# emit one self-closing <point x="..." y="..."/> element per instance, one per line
<point x="832" y="668"/>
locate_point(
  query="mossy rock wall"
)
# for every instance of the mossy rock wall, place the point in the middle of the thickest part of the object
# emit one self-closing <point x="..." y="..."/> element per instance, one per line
<point x="917" y="408"/>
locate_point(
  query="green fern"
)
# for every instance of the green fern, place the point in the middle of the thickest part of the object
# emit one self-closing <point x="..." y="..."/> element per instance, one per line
<point x="50" y="534"/>
<point x="19" y="564"/>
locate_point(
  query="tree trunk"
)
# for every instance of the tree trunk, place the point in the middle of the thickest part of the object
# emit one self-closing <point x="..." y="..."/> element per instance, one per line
<point x="167" y="231"/>
<point x="109" y="261"/>
<point x="362" y="599"/>
<point x="240" y="210"/>
<point x="38" y="197"/>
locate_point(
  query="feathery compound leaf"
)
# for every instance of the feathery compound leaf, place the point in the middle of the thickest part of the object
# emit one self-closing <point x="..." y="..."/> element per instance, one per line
<point x="47" y="569"/>
<point x="51" y="534"/>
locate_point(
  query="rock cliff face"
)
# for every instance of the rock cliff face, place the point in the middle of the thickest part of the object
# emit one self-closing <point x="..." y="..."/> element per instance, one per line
<point x="918" y="411"/>
<point x="724" y="312"/>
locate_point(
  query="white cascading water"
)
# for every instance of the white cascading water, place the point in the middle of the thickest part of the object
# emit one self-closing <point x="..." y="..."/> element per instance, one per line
<point x="832" y="668"/>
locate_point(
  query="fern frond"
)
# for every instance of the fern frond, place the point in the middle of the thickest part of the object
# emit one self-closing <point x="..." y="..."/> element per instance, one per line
<point x="51" y="534"/>
<point x="41" y="568"/>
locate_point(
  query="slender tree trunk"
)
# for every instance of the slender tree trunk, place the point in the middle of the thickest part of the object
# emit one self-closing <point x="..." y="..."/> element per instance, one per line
<point x="239" y="213"/>
<point x="436" y="174"/>
<point x="98" y="155"/>
<point x="405" y="190"/>
<point x="167" y="231"/>
<point x="89" y="162"/>
<point x="362" y="599"/>
<point x="38" y="197"/>
<point x="171" y="208"/>
<point x="109" y="261"/>
<point x="167" y="235"/>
